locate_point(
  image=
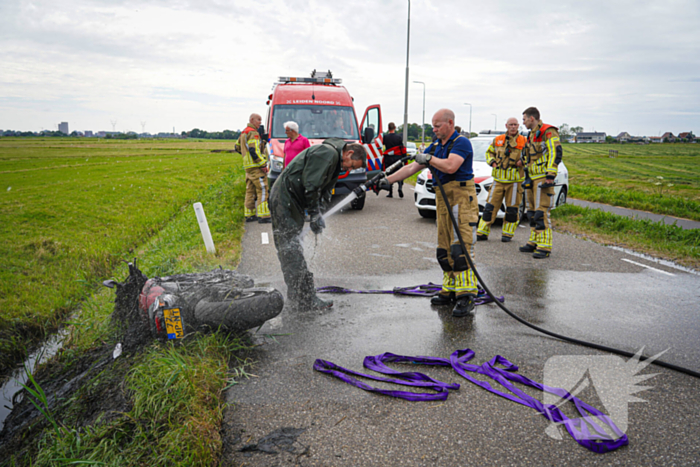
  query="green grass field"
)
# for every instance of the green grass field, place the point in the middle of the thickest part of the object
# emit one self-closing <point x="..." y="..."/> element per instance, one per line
<point x="72" y="209"/>
<point x="631" y="177"/>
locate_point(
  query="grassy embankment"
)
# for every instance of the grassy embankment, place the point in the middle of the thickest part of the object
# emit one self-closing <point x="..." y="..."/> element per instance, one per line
<point x="71" y="211"/>
<point x="659" y="178"/>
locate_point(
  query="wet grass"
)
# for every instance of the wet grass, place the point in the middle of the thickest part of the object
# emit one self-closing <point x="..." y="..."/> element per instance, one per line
<point x="173" y="392"/>
<point x="654" y="238"/>
<point x="659" y="178"/>
<point x="176" y="414"/>
<point x="71" y="209"/>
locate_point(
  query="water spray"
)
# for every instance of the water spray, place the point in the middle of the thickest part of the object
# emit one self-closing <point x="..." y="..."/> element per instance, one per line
<point x="362" y="189"/>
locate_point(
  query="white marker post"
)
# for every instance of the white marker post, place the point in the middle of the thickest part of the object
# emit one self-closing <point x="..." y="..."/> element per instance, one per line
<point x="204" y="227"/>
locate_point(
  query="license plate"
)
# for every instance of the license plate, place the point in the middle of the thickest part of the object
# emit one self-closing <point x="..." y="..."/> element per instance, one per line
<point x="173" y="323"/>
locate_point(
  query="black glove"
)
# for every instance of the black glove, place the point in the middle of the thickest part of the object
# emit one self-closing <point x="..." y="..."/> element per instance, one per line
<point x="359" y="191"/>
<point x="317" y="223"/>
<point x="527" y="183"/>
<point x="549" y="182"/>
<point x="382" y="184"/>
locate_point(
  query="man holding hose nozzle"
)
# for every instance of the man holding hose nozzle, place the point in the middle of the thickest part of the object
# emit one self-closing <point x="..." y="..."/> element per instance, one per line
<point x="303" y="185"/>
<point x="451" y="156"/>
<point x="542" y="156"/>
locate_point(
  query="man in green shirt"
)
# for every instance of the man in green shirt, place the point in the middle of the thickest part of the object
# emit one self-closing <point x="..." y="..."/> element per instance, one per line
<point x="303" y="186"/>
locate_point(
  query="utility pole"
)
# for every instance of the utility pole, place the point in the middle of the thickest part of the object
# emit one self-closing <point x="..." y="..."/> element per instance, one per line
<point x="495" y="122"/>
<point x="143" y="127"/>
<point x="405" y="102"/>
<point x="470" y="118"/>
<point x="114" y="125"/>
<point x="422" y="135"/>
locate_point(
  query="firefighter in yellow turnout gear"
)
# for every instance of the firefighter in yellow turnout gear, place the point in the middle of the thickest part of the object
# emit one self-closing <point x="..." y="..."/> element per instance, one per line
<point x="451" y="155"/>
<point x="504" y="155"/>
<point x="254" y="151"/>
<point x="542" y="156"/>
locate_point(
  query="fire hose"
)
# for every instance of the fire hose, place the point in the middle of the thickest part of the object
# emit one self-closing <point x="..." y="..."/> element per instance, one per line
<point x="503" y="307"/>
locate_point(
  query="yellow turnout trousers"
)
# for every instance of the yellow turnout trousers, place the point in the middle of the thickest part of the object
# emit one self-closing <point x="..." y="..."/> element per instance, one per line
<point x="539" y="203"/>
<point x="256" y="189"/>
<point x="457" y="276"/>
<point x="512" y="194"/>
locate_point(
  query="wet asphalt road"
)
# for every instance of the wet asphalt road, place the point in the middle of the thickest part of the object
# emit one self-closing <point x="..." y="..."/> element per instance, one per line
<point x="583" y="290"/>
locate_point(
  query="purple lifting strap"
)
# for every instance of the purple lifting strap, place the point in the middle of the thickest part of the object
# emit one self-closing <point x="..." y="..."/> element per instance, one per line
<point x="587" y="430"/>
<point x="423" y="290"/>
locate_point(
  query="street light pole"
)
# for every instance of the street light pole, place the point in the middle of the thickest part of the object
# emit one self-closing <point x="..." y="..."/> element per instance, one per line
<point x="495" y="122"/>
<point x="405" y="103"/>
<point x="422" y="135"/>
<point x="470" y="118"/>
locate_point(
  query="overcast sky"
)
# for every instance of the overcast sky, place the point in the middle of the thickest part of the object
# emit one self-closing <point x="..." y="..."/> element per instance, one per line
<point x="603" y="65"/>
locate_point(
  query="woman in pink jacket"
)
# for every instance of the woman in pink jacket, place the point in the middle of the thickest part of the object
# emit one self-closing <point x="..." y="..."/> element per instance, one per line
<point x="295" y="142"/>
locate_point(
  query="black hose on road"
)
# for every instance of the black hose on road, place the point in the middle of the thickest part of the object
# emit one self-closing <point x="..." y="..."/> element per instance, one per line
<point x="532" y="326"/>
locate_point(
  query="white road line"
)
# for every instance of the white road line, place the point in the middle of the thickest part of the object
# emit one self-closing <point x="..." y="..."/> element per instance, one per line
<point x="265" y="238"/>
<point x="648" y="267"/>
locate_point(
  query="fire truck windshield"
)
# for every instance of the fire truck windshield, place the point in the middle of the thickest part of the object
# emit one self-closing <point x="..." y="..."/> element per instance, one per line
<point x="316" y="121"/>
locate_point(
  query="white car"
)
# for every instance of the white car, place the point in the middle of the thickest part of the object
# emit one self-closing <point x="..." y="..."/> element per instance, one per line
<point x="424" y="196"/>
<point x="411" y="148"/>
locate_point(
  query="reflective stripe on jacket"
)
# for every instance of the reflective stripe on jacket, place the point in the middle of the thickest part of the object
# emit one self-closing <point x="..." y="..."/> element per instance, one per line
<point x="541" y="150"/>
<point x="505" y="152"/>
<point x="250" y="145"/>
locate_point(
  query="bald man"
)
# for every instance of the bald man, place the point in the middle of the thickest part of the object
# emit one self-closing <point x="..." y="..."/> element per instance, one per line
<point x="504" y="157"/>
<point x="255" y="164"/>
<point x="451" y="156"/>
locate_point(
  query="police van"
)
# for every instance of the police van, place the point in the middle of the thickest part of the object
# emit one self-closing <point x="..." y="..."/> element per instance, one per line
<point x="323" y="108"/>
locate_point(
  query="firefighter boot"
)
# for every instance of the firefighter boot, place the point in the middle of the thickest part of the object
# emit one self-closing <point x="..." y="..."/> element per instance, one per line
<point x="539" y="254"/>
<point x="464" y="306"/>
<point x="528" y="248"/>
<point x="441" y="300"/>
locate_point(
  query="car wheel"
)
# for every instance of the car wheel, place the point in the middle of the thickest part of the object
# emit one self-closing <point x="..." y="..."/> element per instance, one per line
<point x="358" y="203"/>
<point x="427" y="213"/>
<point x="561" y="199"/>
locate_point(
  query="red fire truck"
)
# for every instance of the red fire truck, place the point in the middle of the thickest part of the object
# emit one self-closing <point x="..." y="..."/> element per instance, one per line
<point x="323" y="109"/>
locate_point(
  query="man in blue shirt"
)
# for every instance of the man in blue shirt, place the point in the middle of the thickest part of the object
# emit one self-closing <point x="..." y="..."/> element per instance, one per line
<point x="451" y="156"/>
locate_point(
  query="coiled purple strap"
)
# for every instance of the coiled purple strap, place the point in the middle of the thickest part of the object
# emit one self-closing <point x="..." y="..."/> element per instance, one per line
<point x="423" y="290"/>
<point x="588" y="430"/>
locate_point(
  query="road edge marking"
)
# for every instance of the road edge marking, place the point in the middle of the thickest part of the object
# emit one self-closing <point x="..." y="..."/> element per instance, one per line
<point x="648" y="267"/>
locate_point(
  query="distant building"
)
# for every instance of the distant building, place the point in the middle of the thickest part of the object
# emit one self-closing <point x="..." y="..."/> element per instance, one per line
<point x="594" y="137"/>
<point x="656" y="139"/>
<point x="623" y="137"/>
<point x="88" y="133"/>
<point x="668" y="136"/>
<point x="63" y="128"/>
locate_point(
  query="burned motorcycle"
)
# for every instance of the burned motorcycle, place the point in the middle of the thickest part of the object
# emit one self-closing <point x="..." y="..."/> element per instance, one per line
<point x="173" y="306"/>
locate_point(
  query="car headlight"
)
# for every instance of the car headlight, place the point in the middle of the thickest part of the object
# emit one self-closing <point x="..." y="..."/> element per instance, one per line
<point x="358" y="171"/>
<point x="420" y="181"/>
<point x="276" y="165"/>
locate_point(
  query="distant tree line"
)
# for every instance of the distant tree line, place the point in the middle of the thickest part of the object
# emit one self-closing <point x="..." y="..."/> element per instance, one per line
<point x="197" y="133"/>
<point x="31" y="133"/>
<point x="414" y="131"/>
